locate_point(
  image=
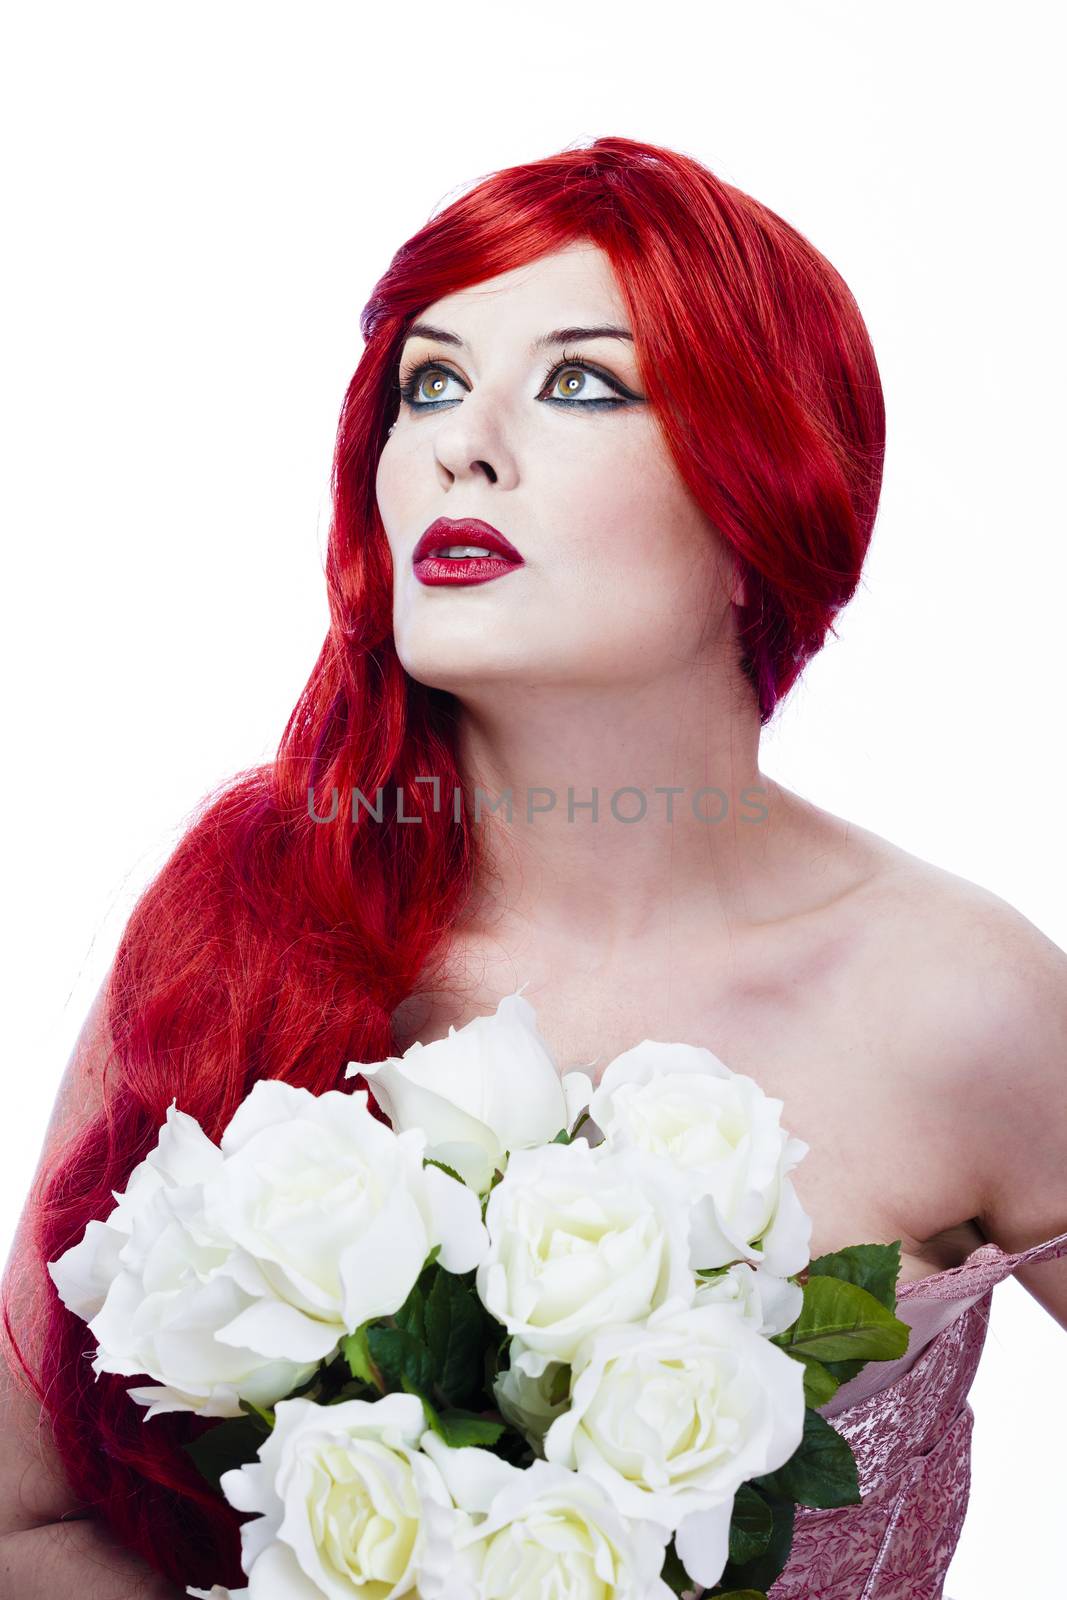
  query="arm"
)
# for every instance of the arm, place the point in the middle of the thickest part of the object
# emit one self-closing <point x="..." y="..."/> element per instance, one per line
<point x="49" y="1545"/>
<point x="75" y="1560"/>
<point x="1020" y="1080"/>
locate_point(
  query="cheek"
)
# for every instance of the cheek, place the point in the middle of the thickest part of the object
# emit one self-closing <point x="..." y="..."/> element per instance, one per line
<point x="389" y="491"/>
<point x="639" y="545"/>
<point x="399" y="514"/>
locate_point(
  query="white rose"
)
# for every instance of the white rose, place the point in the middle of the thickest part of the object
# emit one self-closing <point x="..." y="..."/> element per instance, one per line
<point x="767" y="1303"/>
<point x="531" y="1399"/>
<point x="152" y="1283"/>
<point x="334" y="1215"/>
<point x="579" y="1239"/>
<point x="341" y="1493"/>
<point x="183" y="1156"/>
<point x="217" y="1592"/>
<point x="723" y="1131"/>
<point x="489" y="1088"/>
<point x="672" y="1417"/>
<point x="535" y="1534"/>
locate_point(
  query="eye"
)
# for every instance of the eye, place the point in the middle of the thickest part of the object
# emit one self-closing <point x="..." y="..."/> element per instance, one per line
<point x="424" y="387"/>
<point x="570" y="384"/>
<point x="428" y="382"/>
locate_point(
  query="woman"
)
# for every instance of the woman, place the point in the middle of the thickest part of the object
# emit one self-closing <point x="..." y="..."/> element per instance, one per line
<point x="594" y="614"/>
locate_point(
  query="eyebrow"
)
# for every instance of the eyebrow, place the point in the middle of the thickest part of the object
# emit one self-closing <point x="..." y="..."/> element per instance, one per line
<point x="425" y="330"/>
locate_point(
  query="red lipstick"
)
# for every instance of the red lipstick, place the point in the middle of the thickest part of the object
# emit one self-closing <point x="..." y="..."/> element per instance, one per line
<point x="432" y="567"/>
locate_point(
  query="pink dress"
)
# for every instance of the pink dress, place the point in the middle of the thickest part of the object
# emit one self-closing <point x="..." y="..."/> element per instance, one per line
<point x="909" y="1425"/>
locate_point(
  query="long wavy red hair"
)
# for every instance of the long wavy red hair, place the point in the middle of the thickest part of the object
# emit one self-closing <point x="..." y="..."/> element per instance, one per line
<point x="271" y="945"/>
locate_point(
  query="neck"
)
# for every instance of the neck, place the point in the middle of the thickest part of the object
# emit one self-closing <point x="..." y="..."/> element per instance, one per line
<point x="710" y="834"/>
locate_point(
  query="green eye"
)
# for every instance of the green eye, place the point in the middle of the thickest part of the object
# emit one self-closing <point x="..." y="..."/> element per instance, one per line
<point x="423" y="387"/>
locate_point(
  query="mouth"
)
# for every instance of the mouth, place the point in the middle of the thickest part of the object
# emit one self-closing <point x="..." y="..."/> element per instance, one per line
<point x="463" y="551"/>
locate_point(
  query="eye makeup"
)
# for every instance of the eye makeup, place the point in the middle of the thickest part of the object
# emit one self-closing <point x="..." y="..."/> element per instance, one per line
<point x="411" y="378"/>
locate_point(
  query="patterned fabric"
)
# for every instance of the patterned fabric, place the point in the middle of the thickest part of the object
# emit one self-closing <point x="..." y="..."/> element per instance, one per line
<point x="911" y="1438"/>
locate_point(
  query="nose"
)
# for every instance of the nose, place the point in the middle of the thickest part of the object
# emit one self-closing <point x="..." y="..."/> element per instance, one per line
<point x="471" y="441"/>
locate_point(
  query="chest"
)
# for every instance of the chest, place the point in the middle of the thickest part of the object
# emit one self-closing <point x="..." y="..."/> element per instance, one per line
<point x="806" y="1018"/>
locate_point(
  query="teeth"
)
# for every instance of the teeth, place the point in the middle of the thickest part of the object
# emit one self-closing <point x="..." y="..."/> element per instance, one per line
<point x="455" y="551"/>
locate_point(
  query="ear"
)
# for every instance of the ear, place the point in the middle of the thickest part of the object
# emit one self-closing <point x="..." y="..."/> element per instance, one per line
<point x="736" y="587"/>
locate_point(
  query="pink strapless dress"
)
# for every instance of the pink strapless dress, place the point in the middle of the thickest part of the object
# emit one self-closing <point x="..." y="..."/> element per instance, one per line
<point x="909" y="1424"/>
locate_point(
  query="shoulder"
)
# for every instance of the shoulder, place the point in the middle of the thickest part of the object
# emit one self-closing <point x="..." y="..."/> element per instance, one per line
<point x="979" y="993"/>
<point x="933" y="952"/>
<point x="973" y="957"/>
<point x="81" y="1093"/>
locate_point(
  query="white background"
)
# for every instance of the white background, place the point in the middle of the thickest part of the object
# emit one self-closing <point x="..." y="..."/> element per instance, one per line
<point x="198" y="199"/>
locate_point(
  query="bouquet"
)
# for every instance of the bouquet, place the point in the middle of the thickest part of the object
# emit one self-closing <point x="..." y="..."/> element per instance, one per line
<point x="529" y="1337"/>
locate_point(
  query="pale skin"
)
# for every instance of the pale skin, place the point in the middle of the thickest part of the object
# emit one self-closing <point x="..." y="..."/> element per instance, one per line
<point x="913" y="1024"/>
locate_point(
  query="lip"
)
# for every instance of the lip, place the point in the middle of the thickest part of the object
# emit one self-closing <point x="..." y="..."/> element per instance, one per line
<point x="445" y="531"/>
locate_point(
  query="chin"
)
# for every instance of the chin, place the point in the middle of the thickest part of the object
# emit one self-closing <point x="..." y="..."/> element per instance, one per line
<point x="459" y="671"/>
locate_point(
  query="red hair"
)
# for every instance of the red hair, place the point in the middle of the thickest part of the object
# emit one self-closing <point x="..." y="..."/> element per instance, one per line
<point x="270" y="945"/>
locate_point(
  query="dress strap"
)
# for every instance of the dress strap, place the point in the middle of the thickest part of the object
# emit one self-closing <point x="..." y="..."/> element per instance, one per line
<point x="1048" y="1250"/>
<point x="985" y="1267"/>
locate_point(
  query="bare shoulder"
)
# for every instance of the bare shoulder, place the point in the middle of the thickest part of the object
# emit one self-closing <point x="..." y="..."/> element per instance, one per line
<point x="992" y="970"/>
<point x="949" y="957"/>
<point x="33" y="1486"/>
<point x="979" y="994"/>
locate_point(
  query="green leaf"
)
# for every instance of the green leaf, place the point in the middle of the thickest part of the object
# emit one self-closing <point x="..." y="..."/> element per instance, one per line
<point x="759" y="1575"/>
<point x="458" y="1428"/>
<point x="265" y="1415"/>
<point x="227" y="1445"/>
<point x="356" y="1351"/>
<point x="821" y="1471"/>
<point x="673" y="1573"/>
<point x="820" y="1384"/>
<point x="840" y="1322"/>
<point x="843" y="1370"/>
<point x="402" y="1357"/>
<point x="454" y="1320"/>
<point x="562" y="1137"/>
<point x="430" y="1412"/>
<point x="750" y="1525"/>
<point x="412" y="1314"/>
<point x="874" y="1267"/>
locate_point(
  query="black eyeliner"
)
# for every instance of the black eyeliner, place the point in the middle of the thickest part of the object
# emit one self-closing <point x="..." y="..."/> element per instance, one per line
<point x="408" y="383"/>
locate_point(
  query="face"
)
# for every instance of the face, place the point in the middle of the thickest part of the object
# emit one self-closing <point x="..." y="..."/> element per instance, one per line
<point x="552" y="443"/>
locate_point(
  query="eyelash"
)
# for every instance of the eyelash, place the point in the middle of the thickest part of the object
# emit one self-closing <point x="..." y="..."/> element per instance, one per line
<point x="409" y="383"/>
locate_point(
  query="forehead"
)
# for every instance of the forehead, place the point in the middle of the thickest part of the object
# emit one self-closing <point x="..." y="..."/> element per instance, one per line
<point x="573" y="285"/>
